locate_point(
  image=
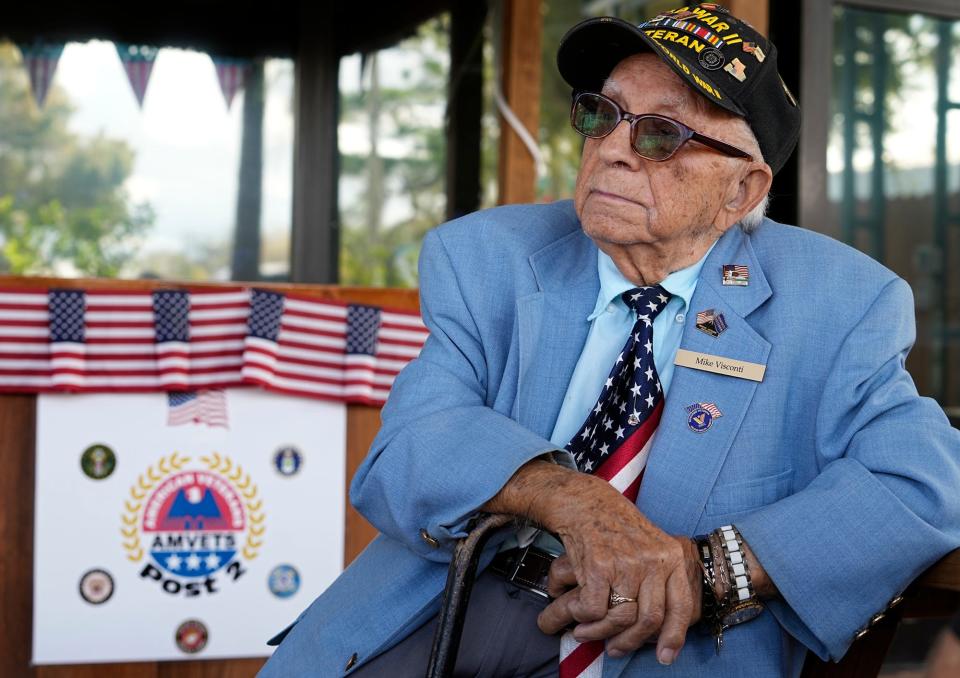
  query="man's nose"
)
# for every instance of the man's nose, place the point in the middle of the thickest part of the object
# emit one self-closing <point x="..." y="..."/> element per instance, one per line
<point x="617" y="147"/>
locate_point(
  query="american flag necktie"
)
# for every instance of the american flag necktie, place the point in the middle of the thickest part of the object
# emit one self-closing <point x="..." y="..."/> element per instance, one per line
<point x="614" y="441"/>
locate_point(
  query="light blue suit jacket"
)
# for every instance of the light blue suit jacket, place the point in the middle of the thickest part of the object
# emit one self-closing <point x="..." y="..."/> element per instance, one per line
<point x="843" y="481"/>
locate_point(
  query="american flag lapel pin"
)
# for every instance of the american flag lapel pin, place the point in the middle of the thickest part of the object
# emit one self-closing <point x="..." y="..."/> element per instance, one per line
<point x="736" y="274"/>
<point x="710" y="322"/>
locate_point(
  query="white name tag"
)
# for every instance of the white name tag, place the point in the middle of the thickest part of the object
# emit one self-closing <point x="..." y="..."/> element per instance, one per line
<point x="720" y="365"/>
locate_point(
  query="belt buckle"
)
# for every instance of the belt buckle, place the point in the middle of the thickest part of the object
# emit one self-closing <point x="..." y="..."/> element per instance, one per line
<point x="529" y="569"/>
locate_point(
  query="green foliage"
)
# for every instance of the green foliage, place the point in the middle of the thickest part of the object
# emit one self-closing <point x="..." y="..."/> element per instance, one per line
<point x="373" y="252"/>
<point x="63" y="208"/>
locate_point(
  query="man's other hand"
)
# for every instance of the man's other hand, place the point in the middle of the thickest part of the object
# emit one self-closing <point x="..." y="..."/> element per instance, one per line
<point x="611" y="547"/>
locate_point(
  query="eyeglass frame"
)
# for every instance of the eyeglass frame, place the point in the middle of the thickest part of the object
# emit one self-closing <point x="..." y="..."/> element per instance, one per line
<point x="687" y="133"/>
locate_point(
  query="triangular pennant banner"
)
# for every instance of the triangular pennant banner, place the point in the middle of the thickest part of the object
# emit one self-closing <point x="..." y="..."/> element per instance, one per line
<point x="232" y="74"/>
<point x="138" y="63"/>
<point x="40" y="59"/>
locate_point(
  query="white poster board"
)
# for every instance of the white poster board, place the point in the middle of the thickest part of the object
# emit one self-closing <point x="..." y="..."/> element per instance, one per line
<point x="159" y="540"/>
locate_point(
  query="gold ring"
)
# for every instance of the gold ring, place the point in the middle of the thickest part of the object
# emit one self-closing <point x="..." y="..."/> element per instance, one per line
<point x="617" y="599"/>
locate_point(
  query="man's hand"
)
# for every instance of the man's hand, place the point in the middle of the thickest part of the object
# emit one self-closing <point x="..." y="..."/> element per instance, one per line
<point x="628" y="625"/>
<point x="610" y="546"/>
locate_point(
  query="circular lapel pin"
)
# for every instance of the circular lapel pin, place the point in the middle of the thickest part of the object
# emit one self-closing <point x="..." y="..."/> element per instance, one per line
<point x="700" y="416"/>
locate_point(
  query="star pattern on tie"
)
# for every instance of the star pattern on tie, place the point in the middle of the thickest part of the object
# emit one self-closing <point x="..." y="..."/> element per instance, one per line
<point x="632" y="390"/>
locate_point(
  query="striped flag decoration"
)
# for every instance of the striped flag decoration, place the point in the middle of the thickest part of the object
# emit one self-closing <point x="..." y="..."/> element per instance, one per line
<point x="345" y="352"/>
<point x="231" y="74"/>
<point x="104" y="341"/>
<point x="100" y="340"/>
<point x="208" y="407"/>
<point x="24" y="341"/>
<point x="41" y="59"/>
<point x="200" y="337"/>
<point x="712" y="409"/>
<point x="138" y="64"/>
<point x="192" y="340"/>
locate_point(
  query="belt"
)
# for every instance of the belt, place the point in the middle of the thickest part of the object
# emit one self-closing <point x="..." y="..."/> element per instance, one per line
<point x="524" y="567"/>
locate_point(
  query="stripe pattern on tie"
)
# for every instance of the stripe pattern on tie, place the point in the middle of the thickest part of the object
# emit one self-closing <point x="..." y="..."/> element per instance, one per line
<point x="614" y="441"/>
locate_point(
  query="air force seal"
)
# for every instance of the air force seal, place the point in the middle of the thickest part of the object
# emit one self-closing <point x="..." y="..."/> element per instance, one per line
<point x="192" y="527"/>
<point x="287" y="461"/>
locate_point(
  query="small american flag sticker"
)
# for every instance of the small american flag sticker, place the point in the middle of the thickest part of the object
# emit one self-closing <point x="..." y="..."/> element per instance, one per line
<point x="736" y="274"/>
<point x="208" y="406"/>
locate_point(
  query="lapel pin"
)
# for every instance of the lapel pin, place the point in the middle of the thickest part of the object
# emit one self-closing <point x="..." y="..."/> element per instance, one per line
<point x="754" y="49"/>
<point x="736" y="69"/>
<point x="735" y="274"/>
<point x="701" y="415"/>
<point x="710" y="322"/>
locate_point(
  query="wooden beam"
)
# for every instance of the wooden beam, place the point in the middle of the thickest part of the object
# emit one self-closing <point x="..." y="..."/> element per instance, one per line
<point x="520" y="38"/>
<point x="465" y="107"/>
<point x="246" y="230"/>
<point x="315" y="249"/>
<point x="17" y="442"/>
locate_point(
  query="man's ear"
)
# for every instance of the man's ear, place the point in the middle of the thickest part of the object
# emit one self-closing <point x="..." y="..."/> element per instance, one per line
<point x="746" y="194"/>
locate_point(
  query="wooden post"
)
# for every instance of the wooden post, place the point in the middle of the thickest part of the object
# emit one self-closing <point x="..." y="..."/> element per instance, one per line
<point x="465" y="107"/>
<point x="522" y="28"/>
<point x="754" y="12"/>
<point x="315" y="247"/>
<point x="246" y="230"/>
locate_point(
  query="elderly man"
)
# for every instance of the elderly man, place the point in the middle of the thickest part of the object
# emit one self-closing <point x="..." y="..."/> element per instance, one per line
<point x="703" y="416"/>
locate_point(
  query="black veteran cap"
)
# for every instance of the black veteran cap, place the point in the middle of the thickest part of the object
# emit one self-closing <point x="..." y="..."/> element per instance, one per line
<point x="723" y="58"/>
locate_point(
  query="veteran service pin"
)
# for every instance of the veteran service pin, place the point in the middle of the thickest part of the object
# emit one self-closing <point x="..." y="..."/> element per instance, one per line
<point x="701" y="416"/>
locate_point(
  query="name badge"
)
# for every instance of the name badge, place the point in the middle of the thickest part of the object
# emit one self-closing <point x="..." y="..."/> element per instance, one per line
<point x="720" y="365"/>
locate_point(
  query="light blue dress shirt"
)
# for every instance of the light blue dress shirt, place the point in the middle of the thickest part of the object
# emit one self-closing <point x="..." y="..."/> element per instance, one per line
<point x="612" y="322"/>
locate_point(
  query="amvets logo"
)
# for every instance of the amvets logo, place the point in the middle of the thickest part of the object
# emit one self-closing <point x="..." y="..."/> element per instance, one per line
<point x="194" y="526"/>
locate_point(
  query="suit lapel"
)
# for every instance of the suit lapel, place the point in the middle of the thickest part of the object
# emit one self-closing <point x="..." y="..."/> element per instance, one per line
<point x="683" y="465"/>
<point x="552" y="326"/>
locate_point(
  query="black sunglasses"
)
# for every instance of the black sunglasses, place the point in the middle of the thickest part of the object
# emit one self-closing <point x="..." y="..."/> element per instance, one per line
<point x="654" y="137"/>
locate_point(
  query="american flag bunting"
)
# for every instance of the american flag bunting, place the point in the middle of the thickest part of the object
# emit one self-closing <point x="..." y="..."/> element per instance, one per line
<point x="346" y="352"/>
<point x="193" y="340"/>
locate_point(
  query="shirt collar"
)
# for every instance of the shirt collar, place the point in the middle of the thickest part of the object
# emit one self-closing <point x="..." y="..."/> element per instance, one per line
<point x="680" y="283"/>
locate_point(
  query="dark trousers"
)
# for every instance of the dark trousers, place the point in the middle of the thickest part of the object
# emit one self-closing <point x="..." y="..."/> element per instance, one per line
<point x="500" y="639"/>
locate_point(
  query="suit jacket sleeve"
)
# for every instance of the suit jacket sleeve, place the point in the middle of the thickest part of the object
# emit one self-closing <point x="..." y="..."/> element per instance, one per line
<point x="884" y="506"/>
<point x="442" y="451"/>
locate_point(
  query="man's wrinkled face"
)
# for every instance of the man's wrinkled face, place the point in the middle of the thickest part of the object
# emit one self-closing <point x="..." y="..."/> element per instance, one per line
<point x="623" y="199"/>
